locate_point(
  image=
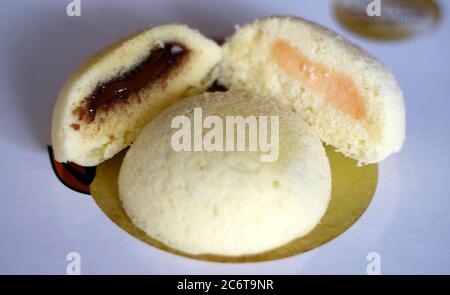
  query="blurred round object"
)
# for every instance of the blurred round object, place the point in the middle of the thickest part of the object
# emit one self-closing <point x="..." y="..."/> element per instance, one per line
<point x="388" y="19"/>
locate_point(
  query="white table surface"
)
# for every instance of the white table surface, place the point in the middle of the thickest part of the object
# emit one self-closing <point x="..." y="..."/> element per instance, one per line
<point x="41" y="220"/>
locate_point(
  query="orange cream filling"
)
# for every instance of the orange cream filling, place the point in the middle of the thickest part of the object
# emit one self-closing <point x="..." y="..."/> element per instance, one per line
<point x="336" y="87"/>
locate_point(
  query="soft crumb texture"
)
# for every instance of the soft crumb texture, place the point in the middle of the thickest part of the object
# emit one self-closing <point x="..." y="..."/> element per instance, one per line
<point x="350" y="99"/>
<point x="225" y="203"/>
<point x="89" y="143"/>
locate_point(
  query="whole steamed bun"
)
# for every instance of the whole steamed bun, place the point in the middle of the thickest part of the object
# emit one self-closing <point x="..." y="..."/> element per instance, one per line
<point x="226" y="203"/>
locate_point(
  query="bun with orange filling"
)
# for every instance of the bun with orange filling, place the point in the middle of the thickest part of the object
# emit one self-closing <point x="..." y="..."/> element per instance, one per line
<point x="350" y="99"/>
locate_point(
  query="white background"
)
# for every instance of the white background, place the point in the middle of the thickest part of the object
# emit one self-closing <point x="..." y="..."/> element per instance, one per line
<point x="41" y="220"/>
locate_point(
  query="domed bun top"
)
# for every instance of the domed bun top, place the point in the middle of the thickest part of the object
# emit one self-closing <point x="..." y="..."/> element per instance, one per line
<point x="223" y="201"/>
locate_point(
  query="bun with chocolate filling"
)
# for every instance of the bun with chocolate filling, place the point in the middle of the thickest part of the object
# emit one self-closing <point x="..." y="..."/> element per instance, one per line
<point x="108" y="99"/>
<point x="350" y="98"/>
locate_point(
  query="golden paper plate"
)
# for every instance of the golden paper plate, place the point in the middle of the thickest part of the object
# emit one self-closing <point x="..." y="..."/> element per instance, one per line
<point x="352" y="190"/>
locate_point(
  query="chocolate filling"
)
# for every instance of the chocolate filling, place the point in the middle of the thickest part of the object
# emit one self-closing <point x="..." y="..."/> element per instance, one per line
<point x="217" y="87"/>
<point x="161" y="61"/>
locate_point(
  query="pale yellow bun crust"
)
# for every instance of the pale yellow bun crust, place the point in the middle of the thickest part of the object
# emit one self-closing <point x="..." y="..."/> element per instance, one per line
<point x="88" y="144"/>
<point x="350" y="99"/>
<point x="225" y="203"/>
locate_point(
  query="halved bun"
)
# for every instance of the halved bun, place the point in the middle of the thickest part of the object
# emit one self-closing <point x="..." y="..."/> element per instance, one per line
<point x="350" y="98"/>
<point x="176" y="60"/>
